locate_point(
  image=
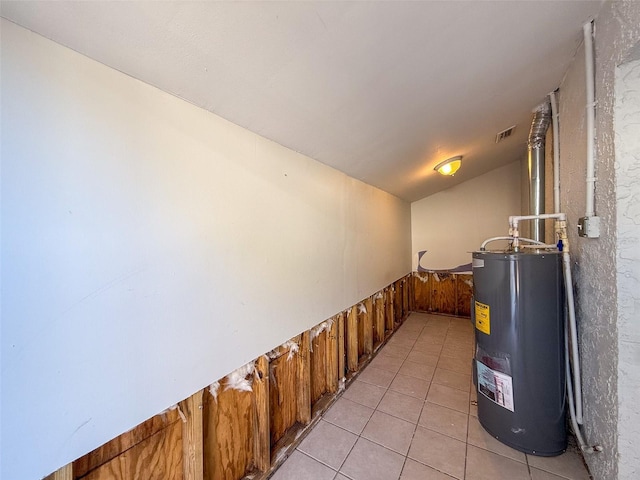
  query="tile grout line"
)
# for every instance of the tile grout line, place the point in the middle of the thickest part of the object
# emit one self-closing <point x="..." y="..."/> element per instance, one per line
<point x="459" y="348"/>
<point x="374" y="410"/>
<point x="415" y="426"/>
<point x="427" y="428"/>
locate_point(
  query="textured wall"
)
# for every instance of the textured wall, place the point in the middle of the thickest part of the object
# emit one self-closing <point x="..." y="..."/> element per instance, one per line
<point x="594" y="272"/>
<point x="617" y="30"/>
<point x="627" y="151"/>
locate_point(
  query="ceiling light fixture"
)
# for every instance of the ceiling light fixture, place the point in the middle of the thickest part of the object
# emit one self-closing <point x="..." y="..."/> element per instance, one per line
<point x="449" y="166"/>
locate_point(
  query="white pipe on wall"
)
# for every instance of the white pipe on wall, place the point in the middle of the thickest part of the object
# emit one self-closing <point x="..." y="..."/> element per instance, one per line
<point x="590" y="116"/>
<point x="572" y="410"/>
<point x="573" y="331"/>
<point x="484" y="244"/>
<point x="515" y="219"/>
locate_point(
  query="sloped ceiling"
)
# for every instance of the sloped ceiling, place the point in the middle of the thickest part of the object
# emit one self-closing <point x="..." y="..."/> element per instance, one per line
<point x="382" y="91"/>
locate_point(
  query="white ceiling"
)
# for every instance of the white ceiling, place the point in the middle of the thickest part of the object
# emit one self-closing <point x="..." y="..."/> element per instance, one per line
<point x="382" y="91"/>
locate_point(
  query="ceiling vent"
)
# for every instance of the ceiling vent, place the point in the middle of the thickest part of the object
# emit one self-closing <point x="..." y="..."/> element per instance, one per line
<point x="505" y="134"/>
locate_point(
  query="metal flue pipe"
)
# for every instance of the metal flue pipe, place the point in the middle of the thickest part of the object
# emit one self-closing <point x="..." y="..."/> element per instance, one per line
<point x="535" y="144"/>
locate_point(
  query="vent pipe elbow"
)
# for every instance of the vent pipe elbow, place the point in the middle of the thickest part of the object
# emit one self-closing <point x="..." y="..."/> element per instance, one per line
<point x="539" y="127"/>
<point x="535" y="145"/>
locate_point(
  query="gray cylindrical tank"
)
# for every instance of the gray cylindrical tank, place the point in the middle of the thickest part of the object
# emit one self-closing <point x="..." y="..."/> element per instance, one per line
<point x="519" y="367"/>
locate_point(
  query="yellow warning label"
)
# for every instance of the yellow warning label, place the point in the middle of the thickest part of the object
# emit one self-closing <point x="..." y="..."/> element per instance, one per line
<point x="483" y="318"/>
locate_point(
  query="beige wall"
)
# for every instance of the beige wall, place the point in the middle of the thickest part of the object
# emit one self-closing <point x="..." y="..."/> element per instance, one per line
<point x="454" y="222"/>
<point x="150" y="247"/>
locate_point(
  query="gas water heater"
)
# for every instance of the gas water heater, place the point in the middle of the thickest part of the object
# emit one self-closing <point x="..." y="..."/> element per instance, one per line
<point x="520" y="356"/>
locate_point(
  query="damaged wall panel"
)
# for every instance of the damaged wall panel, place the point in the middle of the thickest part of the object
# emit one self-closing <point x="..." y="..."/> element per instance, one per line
<point x="64" y="473"/>
<point x="248" y="422"/>
<point x="261" y="433"/>
<point x="228" y="428"/>
<point x="389" y="310"/>
<point x="443" y="293"/>
<point x="421" y="291"/>
<point x="360" y="314"/>
<point x="406" y="296"/>
<point x="324" y="360"/>
<point x="397" y="302"/>
<point x="342" y="350"/>
<point x="193" y="436"/>
<point x="303" y="381"/>
<point x="318" y="366"/>
<point x="368" y="326"/>
<point x="158" y="457"/>
<point x="365" y="330"/>
<point x="464" y="292"/>
<point x="378" y="320"/>
<point x="124" y="442"/>
<point x="283" y="373"/>
<point x="352" y="339"/>
<point x="332" y="353"/>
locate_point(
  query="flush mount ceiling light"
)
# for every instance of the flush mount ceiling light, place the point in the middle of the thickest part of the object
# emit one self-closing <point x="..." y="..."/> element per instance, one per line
<point x="449" y="166"/>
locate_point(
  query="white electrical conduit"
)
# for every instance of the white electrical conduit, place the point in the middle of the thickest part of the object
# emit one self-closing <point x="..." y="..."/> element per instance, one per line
<point x="590" y="114"/>
<point x="556" y="152"/>
<point x="575" y="357"/>
<point x="572" y="410"/>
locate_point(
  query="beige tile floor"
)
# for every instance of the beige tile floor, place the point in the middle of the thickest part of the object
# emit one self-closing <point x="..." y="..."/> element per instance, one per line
<point x="410" y="415"/>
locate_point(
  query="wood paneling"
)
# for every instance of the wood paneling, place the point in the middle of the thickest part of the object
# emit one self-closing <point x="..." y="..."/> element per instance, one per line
<point x="397" y="302"/>
<point x="361" y="327"/>
<point x="239" y="432"/>
<point x="342" y="350"/>
<point x="389" y="311"/>
<point x="368" y="328"/>
<point x="303" y="382"/>
<point x="158" y="457"/>
<point x="124" y="442"/>
<point x="378" y="330"/>
<point x="367" y="319"/>
<point x="261" y="437"/>
<point x="64" y="473"/>
<point x="192" y="436"/>
<point x="406" y="289"/>
<point x="410" y="295"/>
<point x="422" y="291"/>
<point x="331" y="357"/>
<point x="438" y="292"/>
<point x="352" y="339"/>
<point x="282" y="396"/>
<point x="318" y="367"/>
<point x="464" y="291"/>
<point x="228" y="428"/>
<point x="443" y="293"/>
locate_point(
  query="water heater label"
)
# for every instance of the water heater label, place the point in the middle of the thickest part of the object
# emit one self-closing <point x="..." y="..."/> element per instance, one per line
<point x="496" y="386"/>
<point x="483" y="318"/>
